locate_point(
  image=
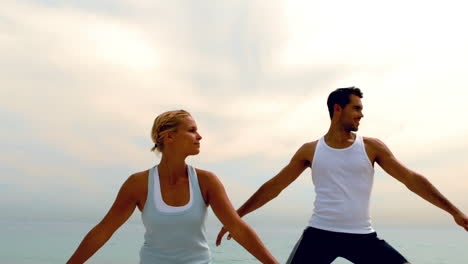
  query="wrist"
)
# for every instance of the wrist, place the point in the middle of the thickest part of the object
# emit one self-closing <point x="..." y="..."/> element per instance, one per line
<point x="457" y="213"/>
<point x="241" y="212"/>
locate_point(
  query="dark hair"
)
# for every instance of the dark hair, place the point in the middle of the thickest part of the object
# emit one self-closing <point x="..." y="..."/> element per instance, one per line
<point x="341" y="96"/>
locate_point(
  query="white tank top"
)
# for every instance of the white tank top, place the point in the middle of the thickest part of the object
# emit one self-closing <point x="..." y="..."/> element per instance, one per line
<point x="343" y="181"/>
<point x="177" y="235"/>
<point x="159" y="201"/>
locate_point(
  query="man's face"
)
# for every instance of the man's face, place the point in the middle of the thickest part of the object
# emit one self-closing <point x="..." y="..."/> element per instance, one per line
<point x="352" y="114"/>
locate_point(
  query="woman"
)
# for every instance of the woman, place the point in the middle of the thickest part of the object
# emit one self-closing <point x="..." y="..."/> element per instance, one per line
<point x="173" y="198"/>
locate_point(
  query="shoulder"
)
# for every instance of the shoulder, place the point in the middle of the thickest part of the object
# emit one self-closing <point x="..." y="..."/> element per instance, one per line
<point x="376" y="148"/>
<point x="308" y="147"/>
<point x="373" y="143"/>
<point x="210" y="185"/>
<point x="136" y="182"/>
<point x="307" y="150"/>
<point x="207" y="177"/>
<point x="138" y="177"/>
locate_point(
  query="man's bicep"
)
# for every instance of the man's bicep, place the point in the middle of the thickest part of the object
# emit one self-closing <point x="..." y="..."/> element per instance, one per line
<point x="304" y="155"/>
<point x="390" y="164"/>
<point x="293" y="169"/>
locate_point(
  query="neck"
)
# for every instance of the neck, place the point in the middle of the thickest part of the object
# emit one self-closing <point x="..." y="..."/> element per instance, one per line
<point x="172" y="168"/>
<point x="337" y="133"/>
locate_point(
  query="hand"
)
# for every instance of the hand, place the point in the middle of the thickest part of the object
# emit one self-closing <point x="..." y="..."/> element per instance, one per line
<point x="220" y="236"/>
<point x="462" y="220"/>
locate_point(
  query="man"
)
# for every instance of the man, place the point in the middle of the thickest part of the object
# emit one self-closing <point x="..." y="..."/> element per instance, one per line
<point x="342" y="164"/>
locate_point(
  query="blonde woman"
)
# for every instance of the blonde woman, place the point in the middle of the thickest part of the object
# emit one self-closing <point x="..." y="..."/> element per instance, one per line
<point x="173" y="198"/>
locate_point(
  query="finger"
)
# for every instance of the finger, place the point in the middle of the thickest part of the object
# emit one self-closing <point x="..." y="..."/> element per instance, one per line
<point x="220" y="236"/>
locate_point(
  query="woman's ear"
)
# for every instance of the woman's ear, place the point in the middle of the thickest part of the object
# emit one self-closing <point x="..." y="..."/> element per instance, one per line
<point x="169" y="137"/>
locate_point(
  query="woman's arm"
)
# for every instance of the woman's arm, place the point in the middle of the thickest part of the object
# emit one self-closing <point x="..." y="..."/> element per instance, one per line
<point x="121" y="210"/>
<point x="240" y="231"/>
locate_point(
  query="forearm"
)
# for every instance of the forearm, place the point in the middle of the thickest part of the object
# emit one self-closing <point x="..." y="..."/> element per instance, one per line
<point x="422" y="187"/>
<point x="94" y="240"/>
<point x="247" y="238"/>
<point x="262" y="196"/>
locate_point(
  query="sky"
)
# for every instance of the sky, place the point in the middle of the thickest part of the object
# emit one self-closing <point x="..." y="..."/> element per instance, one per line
<point x="82" y="81"/>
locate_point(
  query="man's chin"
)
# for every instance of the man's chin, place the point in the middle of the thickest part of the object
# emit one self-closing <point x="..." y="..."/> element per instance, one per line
<point x="196" y="152"/>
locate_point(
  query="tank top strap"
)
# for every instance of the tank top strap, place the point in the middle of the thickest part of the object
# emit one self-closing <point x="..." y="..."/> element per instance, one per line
<point x="362" y="146"/>
<point x="318" y="148"/>
<point x="151" y="183"/>
<point x="197" y="194"/>
<point x="359" y="139"/>
<point x="321" y="142"/>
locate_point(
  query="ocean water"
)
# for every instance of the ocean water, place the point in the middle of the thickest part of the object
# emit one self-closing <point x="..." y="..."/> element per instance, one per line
<point x="54" y="242"/>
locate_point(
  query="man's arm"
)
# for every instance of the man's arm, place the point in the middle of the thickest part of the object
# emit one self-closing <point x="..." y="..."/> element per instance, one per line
<point x="415" y="182"/>
<point x="272" y="188"/>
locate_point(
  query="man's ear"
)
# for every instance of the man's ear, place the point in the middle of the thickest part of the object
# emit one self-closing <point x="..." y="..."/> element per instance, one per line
<point x="337" y="108"/>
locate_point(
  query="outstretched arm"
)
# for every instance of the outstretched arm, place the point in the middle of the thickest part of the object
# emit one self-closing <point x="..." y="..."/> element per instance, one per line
<point x="228" y="216"/>
<point x="120" y="211"/>
<point x="272" y="188"/>
<point x="416" y="182"/>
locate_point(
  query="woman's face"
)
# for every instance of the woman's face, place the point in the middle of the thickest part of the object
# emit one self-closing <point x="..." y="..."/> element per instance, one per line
<point x="186" y="138"/>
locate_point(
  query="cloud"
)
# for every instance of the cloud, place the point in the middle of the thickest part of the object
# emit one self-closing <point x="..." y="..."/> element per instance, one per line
<point x="82" y="83"/>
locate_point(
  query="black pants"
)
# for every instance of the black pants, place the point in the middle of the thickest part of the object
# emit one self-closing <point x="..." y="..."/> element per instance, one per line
<point x="318" y="246"/>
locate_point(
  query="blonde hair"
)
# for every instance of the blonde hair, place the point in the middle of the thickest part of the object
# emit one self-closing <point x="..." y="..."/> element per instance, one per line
<point x="165" y="123"/>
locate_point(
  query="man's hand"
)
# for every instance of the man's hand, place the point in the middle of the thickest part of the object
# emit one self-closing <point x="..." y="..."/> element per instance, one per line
<point x="220" y="236"/>
<point x="462" y="220"/>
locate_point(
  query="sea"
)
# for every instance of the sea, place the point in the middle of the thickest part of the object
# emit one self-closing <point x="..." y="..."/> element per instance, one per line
<point x="50" y="242"/>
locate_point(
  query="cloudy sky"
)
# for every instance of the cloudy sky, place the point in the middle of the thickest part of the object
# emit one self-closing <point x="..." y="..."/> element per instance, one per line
<point x="81" y="83"/>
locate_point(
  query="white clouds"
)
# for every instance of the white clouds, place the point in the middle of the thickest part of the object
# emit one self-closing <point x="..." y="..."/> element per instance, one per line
<point x="255" y="77"/>
<point x="122" y="46"/>
<point x="252" y="126"/>
<point x="369" y="32"/>
<point x="336" y="32"/>
<point x="76" y="41"/>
